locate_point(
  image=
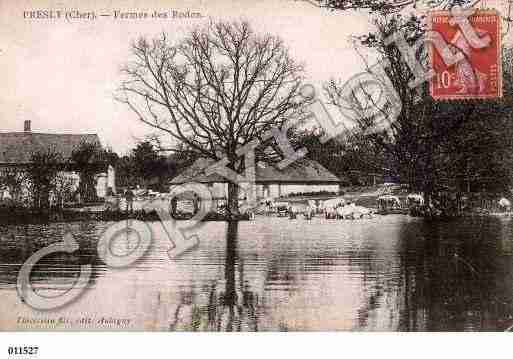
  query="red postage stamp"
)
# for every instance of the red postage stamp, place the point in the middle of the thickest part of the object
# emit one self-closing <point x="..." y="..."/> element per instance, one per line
<point x="478" y="75"/>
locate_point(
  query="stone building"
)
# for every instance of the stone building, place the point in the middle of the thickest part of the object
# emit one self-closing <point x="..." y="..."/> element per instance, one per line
<point x="302" y="176"/>
<point x="17" y="149"/>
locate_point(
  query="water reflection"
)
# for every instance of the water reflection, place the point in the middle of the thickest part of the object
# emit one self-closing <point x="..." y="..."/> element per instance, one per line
<point x="388" y="273"/>
<point x="231" y="306"/>
<point x="458" y="278"/>
<point x="18" y="243"/>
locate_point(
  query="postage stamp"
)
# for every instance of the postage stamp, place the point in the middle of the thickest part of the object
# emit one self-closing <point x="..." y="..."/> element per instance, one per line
<point x="478" y="75"/>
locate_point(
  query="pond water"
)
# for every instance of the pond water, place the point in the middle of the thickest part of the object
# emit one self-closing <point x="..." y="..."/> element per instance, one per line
<point x="389" y="273"/>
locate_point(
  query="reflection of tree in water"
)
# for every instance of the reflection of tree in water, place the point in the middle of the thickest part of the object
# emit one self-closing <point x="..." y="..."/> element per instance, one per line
<point x="446" y="276"/>
<point x="456" y="278"/>
<point x="374" y="286"/>
<point x="232" y="308"/>
<point x="433" y="276"/>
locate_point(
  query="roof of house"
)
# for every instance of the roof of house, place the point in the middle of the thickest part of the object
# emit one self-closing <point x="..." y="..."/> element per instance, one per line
<point x="301" y="171"/>
<point x="18" y="147"/>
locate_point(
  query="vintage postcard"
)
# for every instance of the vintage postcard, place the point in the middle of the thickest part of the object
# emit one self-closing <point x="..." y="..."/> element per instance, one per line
<point x="291" y="165"/>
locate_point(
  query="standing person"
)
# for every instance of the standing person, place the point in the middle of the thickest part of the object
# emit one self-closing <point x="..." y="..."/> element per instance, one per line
<point x="129" y="196"/>
<point x="268" y="206"/>
<point x="290" y="210"/>
<point x="111" y="201"/>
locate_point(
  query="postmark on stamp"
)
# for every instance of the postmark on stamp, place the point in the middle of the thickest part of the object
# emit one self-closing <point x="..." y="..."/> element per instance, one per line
<point x="478" y="75"/>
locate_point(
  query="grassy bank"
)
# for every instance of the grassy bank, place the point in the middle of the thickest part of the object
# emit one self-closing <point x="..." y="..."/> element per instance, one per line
<point x="32" y="216"/>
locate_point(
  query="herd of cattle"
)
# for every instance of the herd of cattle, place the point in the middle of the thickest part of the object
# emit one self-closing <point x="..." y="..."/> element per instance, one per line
<point x="340" y="208"/>
<point x="336" y="208"/>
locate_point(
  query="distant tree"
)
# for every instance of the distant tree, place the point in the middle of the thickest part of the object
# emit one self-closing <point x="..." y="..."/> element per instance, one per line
<point x="354" y="160"/>
<point x="125" y="175"/>
<point x="219" y="88"/>
<point x="62" y="189"/>
<point x="42" y="172"/>
<point x="182" y="157"/>
<point x="89" y="159"/>
<point x="109" y="157"/>
<point x="146" y="166"/>
<point x="147" y="162"/>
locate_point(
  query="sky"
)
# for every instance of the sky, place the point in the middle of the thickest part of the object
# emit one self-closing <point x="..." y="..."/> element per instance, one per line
<point x="62" y="75"/>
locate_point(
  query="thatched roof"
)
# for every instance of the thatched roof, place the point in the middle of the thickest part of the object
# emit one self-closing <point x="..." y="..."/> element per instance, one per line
<point x="300" y="172"/>
<point x="18" y="147"/>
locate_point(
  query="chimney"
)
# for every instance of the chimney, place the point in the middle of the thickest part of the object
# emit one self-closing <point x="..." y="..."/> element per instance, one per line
<point x="27" y="126"/>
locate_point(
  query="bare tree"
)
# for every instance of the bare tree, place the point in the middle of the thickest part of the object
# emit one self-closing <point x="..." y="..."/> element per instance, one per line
<point x="219" y="88"/>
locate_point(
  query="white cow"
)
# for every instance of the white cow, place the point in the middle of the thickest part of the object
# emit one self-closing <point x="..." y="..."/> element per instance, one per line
<point x="361" y="212"/>
<point x="330" y="206"/>
<point x="389" y="200"/>
<point x="415" y="198"/>
<point x="505" y="203"/>
<point x="347" y="211"/>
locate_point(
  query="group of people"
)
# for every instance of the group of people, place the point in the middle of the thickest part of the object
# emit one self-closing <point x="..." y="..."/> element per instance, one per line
<point x="112" y="201"/>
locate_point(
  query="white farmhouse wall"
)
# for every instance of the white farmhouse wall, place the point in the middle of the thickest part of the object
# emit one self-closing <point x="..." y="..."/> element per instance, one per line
<point x="104" y="181"/>
<point x="111" y="178"/>
<point x="101" y="185"/>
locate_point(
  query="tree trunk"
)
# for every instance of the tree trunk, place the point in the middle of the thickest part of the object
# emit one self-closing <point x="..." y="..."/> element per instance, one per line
<point x="231" y="259"/>
<point x="87" y="187"/>
<point x="233" y="200"/>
